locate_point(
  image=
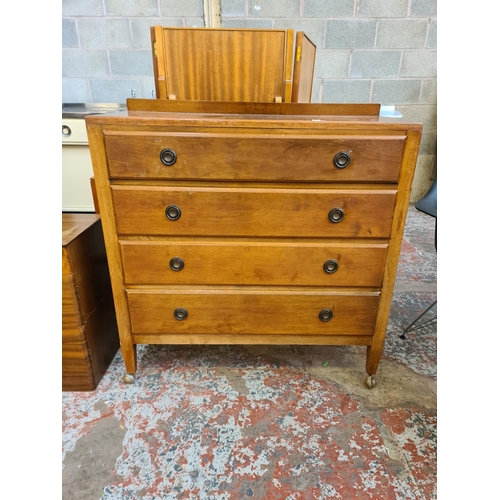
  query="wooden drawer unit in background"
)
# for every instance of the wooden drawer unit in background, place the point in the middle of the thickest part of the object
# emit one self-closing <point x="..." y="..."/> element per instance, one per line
<point x="231" y="223"/>
<point x="89" y="330"/>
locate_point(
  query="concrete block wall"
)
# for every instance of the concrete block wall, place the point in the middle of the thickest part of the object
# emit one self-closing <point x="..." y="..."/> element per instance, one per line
<point x="107" y="46"/>
<point x="380" y="51"/>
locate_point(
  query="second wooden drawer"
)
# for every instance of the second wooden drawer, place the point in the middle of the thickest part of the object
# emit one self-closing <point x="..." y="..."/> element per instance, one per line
<point x="219" y="211"/>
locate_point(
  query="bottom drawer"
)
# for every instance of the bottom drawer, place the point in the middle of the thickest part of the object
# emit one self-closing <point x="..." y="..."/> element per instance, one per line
<point x="252" y="312"/>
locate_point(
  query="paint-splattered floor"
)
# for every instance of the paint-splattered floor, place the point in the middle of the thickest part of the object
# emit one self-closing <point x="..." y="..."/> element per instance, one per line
<point x="267" y="422"/>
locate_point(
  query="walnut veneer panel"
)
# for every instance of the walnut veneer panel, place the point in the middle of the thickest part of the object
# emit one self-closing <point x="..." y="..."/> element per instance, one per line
<point x="212" y="64"/>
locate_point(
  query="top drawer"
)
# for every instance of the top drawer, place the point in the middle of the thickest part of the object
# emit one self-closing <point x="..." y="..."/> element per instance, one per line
<point x="253" y="157"/>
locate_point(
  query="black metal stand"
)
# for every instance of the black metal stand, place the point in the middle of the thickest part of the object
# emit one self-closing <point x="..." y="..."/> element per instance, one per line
<point x="428" y="322"/>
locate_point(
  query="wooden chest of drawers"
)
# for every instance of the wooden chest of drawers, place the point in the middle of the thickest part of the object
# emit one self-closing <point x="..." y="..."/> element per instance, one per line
<point x="230" y="223"/>
<point x="89" y="330"/>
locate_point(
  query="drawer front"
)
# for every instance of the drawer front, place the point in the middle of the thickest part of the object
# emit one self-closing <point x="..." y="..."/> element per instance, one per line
<point x="250" y="312"/>
<point x="253" y="158"/>
<point x="253" y="212"/>
<point x="252" y="263"/>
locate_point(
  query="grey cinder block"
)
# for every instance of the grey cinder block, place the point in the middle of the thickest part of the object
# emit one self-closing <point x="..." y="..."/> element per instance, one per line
<point x="184" y="8"/>
<point x="131" y="8"/>
<point x="429" y="92"/>
<point x="393" y="92"/>
<point x="346" y="91"/>
<point x="350" y="34"/>
<point x="131" y="62"/>
<point x="427" y="115"/>
<point x="402" y="34"/>
<point x="84" y="63"/>
<point x="382" y="8"/>
<point x="375" y="63"/>
<point x="276" y="8"/>
<point x="75" y="90"/>
<point x="194" y="22"/>
<point x="332" y="63"/>
<point x="331" y="8"/>
<point x="69" y="34"/>
<point x="419" y="63"/>
<point x="432" y="35"/>
<point x="428" y="143"/>
<point x="233" y="8"/>
<point x="316" y="90"/>
<point x="105" y="33"/>
<point x="423" y="8"/>
<point x="82" y="8"/>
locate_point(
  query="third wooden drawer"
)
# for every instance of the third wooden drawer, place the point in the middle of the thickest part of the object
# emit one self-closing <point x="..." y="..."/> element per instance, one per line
<point x="175" y="262"/>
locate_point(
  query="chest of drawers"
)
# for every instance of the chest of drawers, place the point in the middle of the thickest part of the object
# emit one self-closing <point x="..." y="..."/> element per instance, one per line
<point x="229" y="223"/>
<point x="89" y="330"/>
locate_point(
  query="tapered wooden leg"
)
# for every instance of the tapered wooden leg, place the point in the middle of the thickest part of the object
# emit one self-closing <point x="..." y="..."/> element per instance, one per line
<point x="373" y="355"/>
<point x="129" y="353"/>
<point x="372" y="359"/>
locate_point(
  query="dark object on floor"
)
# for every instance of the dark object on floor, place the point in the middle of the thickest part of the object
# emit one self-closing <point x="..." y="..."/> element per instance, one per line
<point x="428" y="205"/>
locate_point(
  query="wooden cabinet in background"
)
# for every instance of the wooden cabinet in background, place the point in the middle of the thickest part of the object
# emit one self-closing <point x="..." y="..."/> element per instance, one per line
<point x="241" y="223"/>
<point x="89" y="330"/>
<point x="232" y="64"/>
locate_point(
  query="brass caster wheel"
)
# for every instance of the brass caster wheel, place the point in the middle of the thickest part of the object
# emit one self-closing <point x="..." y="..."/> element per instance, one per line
<point x="128" y="378"/>
<point x="370" y="381"/>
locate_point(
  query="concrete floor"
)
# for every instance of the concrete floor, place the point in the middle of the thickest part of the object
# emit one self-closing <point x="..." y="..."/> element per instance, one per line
<point x="268" y="422"/>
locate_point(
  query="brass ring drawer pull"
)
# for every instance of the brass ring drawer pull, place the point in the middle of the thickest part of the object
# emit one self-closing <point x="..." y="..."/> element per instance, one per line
<point x="176" y="264"/>
<point x="173" y="212"/>
<point x="325" y="315"/>
<point x="180" y="314"/>
<point x="168" y="157"/>
<point x="330" y="266"/>
<point x="336" y="214"/>
<point x="342" y="159"/>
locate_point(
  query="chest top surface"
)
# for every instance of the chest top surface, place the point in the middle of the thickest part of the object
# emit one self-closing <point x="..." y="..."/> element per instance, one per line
<point x="279" y="116"/>
<point x="75" y="224"/>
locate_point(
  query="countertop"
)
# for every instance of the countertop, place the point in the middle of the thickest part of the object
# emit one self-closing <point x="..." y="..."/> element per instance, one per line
<point x="81" y="110"/>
